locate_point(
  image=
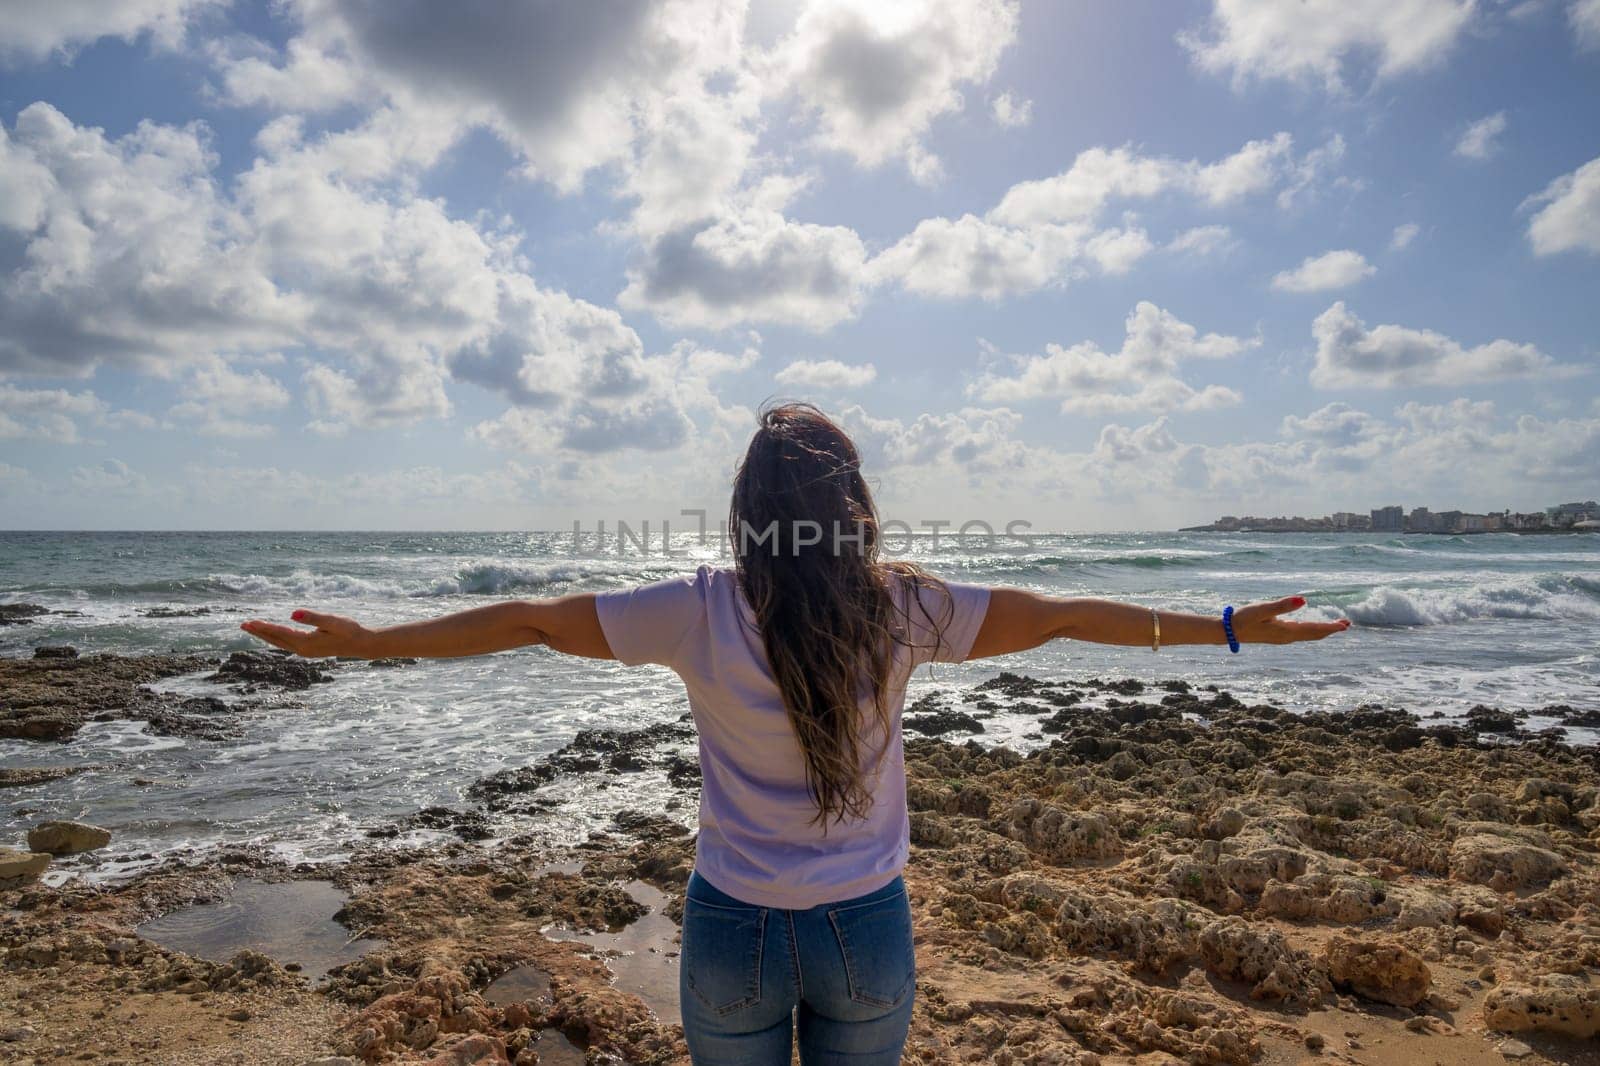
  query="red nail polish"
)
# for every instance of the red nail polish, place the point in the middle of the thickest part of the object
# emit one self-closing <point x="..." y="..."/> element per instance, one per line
<point x="1299" y="601"/>
<point x="297" y="616"/>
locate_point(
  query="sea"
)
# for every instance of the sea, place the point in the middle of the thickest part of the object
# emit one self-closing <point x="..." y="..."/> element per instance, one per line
<point x="1442" y="623"/>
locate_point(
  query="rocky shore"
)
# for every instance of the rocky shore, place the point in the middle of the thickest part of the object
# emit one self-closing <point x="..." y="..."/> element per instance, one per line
<point x="1174" y="876"/>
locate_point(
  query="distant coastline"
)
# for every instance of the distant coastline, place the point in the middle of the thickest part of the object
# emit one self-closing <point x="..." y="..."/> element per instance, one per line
<point x="1577" y="517"/>
<point x="1215" y="528"/>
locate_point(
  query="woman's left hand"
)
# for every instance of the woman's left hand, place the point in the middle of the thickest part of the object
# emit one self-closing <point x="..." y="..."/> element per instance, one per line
<point x="333" y="635"/>
<point x="1262" y="623"/>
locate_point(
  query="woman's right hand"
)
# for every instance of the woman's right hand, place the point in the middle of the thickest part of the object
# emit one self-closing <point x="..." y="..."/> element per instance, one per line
<point x="333" y="635"/>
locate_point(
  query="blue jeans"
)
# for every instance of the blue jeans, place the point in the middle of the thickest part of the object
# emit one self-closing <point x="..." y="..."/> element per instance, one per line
<point x="841" y="974"/>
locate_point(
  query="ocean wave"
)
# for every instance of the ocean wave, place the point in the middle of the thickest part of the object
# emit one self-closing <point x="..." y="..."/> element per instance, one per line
<point x="480" y="578"/>
<point x="1154" y="559"/>
<point x="112" y="590"/>
<point x="1551" y="596"/>
<point x="498" y="578"/>
<point x="306" y="583"/>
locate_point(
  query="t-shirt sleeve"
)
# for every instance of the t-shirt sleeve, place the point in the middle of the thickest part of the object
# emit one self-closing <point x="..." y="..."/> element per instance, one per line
<point x="943" y="620"/>
<point x="649" y="623"/>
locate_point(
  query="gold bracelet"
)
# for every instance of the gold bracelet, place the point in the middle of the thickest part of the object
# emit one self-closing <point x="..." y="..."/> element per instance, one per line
<point x="1155" y="637"/>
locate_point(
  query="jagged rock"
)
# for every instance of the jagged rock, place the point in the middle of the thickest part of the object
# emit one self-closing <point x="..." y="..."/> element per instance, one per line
<point x="1235" y="950"/>
<point x="20" y="776"/>
<point x="1385" y="972"/>
<point x="1154" y="936"/>
<point x="591" y="750"/>
<point x="1228" y="822"/>
<point x="51" y="699"/>
<point x="17" y="614"/>
<point x="939" y="723"/>
<point x="21" y="865"/>
<point x="267" y="668"/>
<point x="55" y="651"/>
<point x="1569" y="1008"/>
<point x="1061" y="836"/>
<point x="175" y="612"/>
<point x="1490" y="854"/>
<point x="67" y="838"/>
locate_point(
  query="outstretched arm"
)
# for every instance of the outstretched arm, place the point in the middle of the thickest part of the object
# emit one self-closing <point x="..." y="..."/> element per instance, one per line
<point x="1019" y="619"/>
<point x="568" y="624"/>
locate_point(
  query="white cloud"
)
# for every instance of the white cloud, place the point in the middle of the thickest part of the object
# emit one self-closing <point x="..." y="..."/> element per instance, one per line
<point x="1349" y="355"/>
<point x="1481" y="139"/>
<point x="45" y="414"/>
<point x="971" y="256"/>
<point x="1308" y="176"/>
<point x="1117" y="251"/>
<point x="1403" y="235"/>
<point x="1202" y="240"/>
<point x="1319" y="41"/>
<point x="972" y="444"/>
<point x="562" y="84"/>
<point x="110" y="477"/>
<point x="132" y="253"/>
<point x="1011" y="112"/>
<point x="1341" y="453"/>
<point x="1585" y="17"/>
<point x="217" y="398"/>
<point x="826" y="374"/>
<point x="313" y="74"/>
<point x="14" y="478"/>
<point x="136" y="256"/>
<point x="1048" y="232"/>
<point x="57" y="415"/>
<point x="1141" y="376"/>
<point x="646" y="405"/>
<point x="1099" y="175"/>
<point x="755" y="265"/>
<point x="36" y="30"/>
<point x="1336" y="423"/>
<point x="877" y="75"/>
<point x="1119" y="444"/>
<point x="1569" y="221"/>
<point x="1331" y="270"/>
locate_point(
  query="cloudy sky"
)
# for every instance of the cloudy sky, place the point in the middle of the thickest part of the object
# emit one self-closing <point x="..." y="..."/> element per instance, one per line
<point x="1097" y="265"/>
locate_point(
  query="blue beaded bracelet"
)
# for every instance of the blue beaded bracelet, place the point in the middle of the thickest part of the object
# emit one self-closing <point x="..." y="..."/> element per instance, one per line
<point x="1227" y="629"/>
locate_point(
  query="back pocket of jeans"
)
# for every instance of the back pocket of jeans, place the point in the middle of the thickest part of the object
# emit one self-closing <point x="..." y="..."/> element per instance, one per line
<point x="879" y="958"/>
<point x="721" y="954"/>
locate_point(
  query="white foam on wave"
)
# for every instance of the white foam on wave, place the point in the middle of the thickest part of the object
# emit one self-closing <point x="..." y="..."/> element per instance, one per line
<point x="492" y="577"/>
<point x="306" y="583"/>
<point x="1553" y="596"/>
<point x="477" y="578"/>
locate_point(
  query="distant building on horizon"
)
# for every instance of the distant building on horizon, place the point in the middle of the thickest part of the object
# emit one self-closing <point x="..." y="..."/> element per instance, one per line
<point x="1567" y="514"/>
<point x="1564" y="517"/>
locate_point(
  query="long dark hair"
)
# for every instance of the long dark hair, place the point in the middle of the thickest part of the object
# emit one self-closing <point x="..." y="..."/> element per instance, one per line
<point x="806" y="539"/>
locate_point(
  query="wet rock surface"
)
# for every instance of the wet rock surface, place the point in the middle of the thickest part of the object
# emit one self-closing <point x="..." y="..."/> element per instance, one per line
<point x="255" y="669"/>
<point x="18" y="866"/>
<point x="1173" y="876"/>
<point x="67" y="838"/>
<point x="17" y="614"/>
<point x="615" y="751"/>
<point x="51" y="698"/>
<point x="23" y="776"/>
<point x="175" y="612"/>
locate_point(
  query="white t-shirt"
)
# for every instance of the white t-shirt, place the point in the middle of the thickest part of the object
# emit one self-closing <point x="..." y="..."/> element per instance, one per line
<point x="758" y="841"/>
